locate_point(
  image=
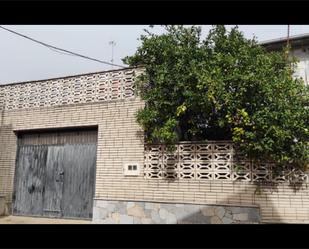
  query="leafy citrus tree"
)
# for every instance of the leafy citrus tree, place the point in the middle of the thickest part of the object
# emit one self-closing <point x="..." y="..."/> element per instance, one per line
<point x="223" y="87"/>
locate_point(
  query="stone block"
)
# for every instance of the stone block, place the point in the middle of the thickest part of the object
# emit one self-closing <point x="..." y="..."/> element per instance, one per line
<point x="146" y="221"/>
<point x="149" y="205"/>
<point x="254" y="215"/>
<point x="162" y="213"/>
<point x="141" y="204"/>
<point x="96" y="211"/>
<point x="111" y="207"/>
<point x="192" y="208"/>
<point x="171" y="218"/>
<point x="116" y="218"/>
<point x="215" y="220"/>
<point x="130" y="204"/>
<point x="98" y="222"/>
<point x="181" y="214"/>
<point x="180" y="205"/>
<point x="108" y="221"/>
<point x="199" y="218"/>
<point x="100" y="213"/>
<point x="121" y="209"/>
<point x="136" y="211"/>
<point x="156" y="206"/>
<point x="125" y="219"/>
<point x="208" y="211"/>
<point x="119" y="204"/>
<point x="228" y="209"/>
<point x="240" y="217"/>
<point x="155" y="217"/>
<point x="137" y="220"/>
<point x="183" y="222"/>
<point x="220" y="211"/>
<point x="227" y="220"/>
<point x="228" y="215"/>
<point x="169" y="207"/>
<point x="237" y="210"/>
<point x="147" y="212"/>
<point x="101" y="204"/>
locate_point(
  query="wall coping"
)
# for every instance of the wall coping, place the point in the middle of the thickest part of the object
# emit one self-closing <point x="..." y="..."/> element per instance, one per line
<point x="177" y="202"/>
<point x="194" y="142"/>
<point x="68" y="76"/>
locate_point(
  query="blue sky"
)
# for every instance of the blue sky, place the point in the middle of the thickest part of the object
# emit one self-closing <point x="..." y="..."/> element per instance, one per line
<point x="24" y="60"/>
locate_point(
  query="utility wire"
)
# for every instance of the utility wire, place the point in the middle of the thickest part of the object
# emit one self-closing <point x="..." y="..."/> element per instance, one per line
<point x="56" y="49"/>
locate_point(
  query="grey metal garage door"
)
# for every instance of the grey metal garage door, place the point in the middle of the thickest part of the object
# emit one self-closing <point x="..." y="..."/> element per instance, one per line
<point x="55" y="174"/>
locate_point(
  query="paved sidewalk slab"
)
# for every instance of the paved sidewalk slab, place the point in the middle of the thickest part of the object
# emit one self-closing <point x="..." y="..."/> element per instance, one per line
<point x="35" y="220"/>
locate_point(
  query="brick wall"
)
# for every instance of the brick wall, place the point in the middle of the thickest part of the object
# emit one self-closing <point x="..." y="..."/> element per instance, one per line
<point x="120" y="141"/>
<point x="7" y="159"/>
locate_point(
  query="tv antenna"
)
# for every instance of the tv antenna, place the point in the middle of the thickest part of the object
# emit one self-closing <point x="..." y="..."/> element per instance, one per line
<point x="288" y="38"/>
<point x="113" y="44"/>
<point x="287" y="43"/>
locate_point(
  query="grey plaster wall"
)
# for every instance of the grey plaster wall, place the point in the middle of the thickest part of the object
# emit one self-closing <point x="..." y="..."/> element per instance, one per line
<point x="124" y="212"/>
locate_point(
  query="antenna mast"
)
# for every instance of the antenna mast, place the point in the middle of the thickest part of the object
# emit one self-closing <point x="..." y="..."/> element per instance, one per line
<point x="288" y="38"/>
<point x="287" y="44"/>
<point x="113" y="44"/>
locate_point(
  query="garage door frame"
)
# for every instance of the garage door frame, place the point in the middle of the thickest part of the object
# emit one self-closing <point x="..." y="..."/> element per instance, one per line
<point x="21" y="133"/>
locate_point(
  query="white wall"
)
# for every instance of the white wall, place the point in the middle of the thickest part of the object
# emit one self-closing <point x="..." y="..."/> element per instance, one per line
<point x="303" y="65"/>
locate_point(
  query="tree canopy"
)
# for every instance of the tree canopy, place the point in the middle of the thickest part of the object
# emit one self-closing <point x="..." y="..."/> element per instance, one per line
<point x="223" y="87"/>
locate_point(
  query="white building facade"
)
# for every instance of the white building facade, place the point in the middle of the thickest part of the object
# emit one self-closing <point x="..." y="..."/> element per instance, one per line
<point x="299" y="49"/>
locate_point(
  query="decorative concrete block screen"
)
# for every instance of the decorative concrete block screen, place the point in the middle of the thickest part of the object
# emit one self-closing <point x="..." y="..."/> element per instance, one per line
<point x="210" y="161"/>
<point x="96" y="87"/>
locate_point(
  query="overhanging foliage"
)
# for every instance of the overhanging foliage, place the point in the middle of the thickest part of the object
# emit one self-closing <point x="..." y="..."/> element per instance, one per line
<point x="225" y="87"/>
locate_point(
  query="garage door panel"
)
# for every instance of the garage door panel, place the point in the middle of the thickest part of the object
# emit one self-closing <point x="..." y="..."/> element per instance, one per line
<point x="54" y="181"/>
<point x="78" y="192"/>
<point x="29" y="180"/>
